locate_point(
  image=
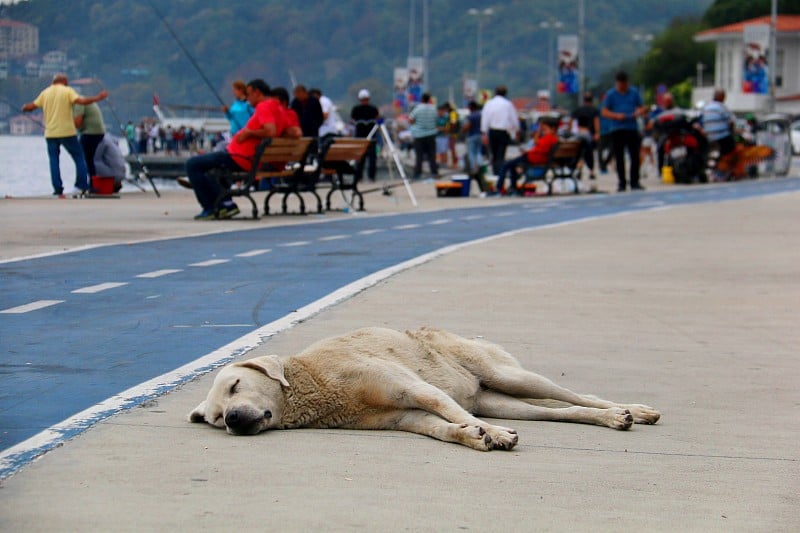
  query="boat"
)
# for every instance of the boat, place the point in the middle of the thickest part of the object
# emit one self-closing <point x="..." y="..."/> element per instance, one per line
<point x="172" y="166"/>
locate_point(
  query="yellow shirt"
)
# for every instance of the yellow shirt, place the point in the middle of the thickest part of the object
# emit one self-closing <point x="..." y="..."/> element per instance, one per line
<point x="56" y="103"/>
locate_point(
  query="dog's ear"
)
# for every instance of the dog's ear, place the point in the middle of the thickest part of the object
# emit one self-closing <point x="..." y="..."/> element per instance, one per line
<point x="269" y="365"/>
<point x="199" y="413"/>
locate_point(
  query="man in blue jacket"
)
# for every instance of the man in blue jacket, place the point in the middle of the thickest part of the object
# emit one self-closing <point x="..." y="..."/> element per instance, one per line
<point x="622" y="105"/>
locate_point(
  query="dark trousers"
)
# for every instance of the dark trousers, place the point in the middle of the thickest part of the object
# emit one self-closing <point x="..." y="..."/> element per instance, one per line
<point x="206" y="188"/>
<point x="630" y="141"/>
<point x="369" y="161"/>
<point x="89" y="144"/>
<point x="498" y="142"/>
<point x="425" y="148"/>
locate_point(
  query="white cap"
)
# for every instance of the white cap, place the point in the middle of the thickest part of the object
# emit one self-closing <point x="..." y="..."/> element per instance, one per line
<point x="363" y="94"/>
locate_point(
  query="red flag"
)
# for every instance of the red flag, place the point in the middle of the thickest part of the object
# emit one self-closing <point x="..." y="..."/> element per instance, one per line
<point x="155" y="99"/>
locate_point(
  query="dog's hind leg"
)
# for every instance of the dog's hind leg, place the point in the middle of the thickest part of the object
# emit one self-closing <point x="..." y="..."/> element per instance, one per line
<point x="500" y="372"/>
<point x="497" y="405"/>
<point x="424" y="423"/>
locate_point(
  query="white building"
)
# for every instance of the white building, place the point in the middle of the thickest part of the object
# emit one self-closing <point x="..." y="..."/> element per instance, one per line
<point x="18" y="39"/>
<point x="730" y="60"/>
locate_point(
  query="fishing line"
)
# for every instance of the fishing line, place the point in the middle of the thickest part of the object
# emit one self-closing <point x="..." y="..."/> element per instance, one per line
<point x="185" y="51"/>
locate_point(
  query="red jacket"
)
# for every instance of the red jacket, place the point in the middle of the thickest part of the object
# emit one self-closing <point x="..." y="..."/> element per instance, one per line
<point x="541" y="149"/>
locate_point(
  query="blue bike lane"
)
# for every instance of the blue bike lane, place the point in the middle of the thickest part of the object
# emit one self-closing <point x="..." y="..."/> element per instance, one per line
<point x="79" y="328"/>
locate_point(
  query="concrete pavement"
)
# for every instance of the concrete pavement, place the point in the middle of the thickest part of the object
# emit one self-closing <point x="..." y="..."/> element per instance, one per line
<point x="691" y="309"/>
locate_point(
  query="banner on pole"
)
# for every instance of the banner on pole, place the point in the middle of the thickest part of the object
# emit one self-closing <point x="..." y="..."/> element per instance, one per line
<point x="755" y="74"/>
<point x="400" y="99"/>
<point x="470" y="90"/>
<point x="416" y="79"/>
<point x="568" y="72"/>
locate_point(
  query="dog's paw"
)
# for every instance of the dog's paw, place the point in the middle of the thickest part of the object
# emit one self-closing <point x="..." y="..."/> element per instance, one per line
<point x="618" y="418"/>
<point x="502" y="438"/>
<point x="643" y="414"/>
<point x="475" y="437"/>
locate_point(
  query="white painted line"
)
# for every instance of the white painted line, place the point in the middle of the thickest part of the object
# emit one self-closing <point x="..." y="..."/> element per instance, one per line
<point x="472" y="217"/>
<point x="159" y="273"/>
<point x="253" y="253"/>
<point x="333" y="237"/>
<point x="33" y="306"/>
<point x="100" y="287"/>
<point x="504" y="214"/>
<point x="226" y="325"/>
<point x="295" y="243"/>
<point x="440" y="221"/>
<point x="210" y="262"/>
<point x="407" y="226"/>
<point x="370" y="231"/>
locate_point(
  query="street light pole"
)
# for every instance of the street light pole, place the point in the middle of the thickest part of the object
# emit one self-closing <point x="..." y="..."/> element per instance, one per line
<point x="645" y="38"/>
<point x="551" y="25"/>
<point x="480" y="13"/>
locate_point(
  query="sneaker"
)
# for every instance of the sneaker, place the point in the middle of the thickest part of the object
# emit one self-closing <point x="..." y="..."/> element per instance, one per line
<point x="184" y="182"/>
<point x="78" y="193"/>
<point x="206" y="214"/>
<point x="228" y="211"/>
<point x="637" y="188"/>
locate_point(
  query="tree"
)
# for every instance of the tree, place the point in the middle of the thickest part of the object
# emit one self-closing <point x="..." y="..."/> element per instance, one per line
<point x="723" y="12"/>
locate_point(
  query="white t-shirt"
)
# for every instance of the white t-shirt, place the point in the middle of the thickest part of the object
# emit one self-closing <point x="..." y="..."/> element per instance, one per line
<point x="329" y="126"/>
<point x="499" y="114"/>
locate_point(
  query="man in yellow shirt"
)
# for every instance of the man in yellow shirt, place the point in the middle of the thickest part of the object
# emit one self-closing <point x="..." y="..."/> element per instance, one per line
<point x="59" y="130"/>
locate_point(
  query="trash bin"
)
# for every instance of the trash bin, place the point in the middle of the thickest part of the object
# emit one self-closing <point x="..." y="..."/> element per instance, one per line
<point x="774" y="130"/>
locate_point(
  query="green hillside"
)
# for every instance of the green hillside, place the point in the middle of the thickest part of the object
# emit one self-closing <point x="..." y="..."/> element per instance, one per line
<point x="338" y="46"/>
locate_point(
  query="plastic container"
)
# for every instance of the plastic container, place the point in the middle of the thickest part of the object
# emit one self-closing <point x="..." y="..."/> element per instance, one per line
<point x="103" y="184"/>
<point x="464" y="180"/>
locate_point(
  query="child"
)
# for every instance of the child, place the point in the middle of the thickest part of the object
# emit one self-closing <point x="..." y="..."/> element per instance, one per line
<point x="546" y="139"/>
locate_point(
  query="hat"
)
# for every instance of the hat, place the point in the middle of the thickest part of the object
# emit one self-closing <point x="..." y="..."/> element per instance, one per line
<point x="363" y="94"/>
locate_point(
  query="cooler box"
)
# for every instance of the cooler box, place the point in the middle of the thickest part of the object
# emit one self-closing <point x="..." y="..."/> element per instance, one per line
<point x="103" y="184"/>
<point x="448" y="188"/>
<point x="464" y="180"/>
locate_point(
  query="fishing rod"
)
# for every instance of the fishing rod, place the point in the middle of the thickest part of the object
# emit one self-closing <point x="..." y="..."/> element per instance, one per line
<point x="185" y="51"/>
<point x="33" y="119"/>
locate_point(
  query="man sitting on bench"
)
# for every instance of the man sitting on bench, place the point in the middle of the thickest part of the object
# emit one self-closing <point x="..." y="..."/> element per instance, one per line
<point x="268" y="120"/>
<point x="538" y="155"/>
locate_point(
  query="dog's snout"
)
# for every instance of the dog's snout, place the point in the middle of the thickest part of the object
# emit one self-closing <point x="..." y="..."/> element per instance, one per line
<point x="268" y="414"/>
<point x="232" y="419"/>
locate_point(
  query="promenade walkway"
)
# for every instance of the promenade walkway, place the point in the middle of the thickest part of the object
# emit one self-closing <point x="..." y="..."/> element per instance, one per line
<point x="689" y="308"/>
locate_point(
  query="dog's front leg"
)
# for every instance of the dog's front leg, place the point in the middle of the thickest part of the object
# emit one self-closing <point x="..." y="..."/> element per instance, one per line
<point x="424" y="423"/>
<point x="419" y="395"/>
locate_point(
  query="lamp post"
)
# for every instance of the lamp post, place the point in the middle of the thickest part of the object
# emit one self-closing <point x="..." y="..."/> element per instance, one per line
<point x="646" y="39"/>
<point x="551" y="26"/>
<point x="480" y="13"/>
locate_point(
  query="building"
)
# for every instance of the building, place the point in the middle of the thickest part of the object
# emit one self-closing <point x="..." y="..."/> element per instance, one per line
<point x="732" y="53"/>
<point x="25" y="125"/>
<point x="17" y="39"/>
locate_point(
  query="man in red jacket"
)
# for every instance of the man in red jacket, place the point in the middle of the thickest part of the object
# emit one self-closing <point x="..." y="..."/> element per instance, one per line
<point x="538" y="154"/>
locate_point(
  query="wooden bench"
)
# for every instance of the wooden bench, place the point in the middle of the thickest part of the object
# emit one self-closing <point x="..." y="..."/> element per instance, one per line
<point x="276" y="158"/>
<point x="563" y="162"/>
<point x="286" y="167"/>
<point x="340" y="160"/>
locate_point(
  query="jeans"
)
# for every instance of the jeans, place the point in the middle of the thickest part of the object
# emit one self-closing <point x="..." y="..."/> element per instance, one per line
<point x="510" y="167"/>
<point x="474" y="147"/>
<point x="73" y="148"/>
<point x="206" y="188"/>
<point x="425" y="147"/>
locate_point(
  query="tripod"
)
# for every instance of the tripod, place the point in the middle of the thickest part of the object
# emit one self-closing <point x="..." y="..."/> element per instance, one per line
<point x="380" y="127"/>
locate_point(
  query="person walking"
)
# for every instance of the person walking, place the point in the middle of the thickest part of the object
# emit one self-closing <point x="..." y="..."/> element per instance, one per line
<point x="622" y="104"/>
<point x="423" y="130"/>
<point x="587" y="119"/>
<point x="364" y="116"/>
<point x="499" y="125"/>
<point x="56" y="102"/>
<point x="472" y="129"/>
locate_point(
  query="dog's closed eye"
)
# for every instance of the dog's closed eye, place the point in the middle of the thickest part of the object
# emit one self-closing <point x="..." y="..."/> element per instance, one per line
<point x="232" y="390"/>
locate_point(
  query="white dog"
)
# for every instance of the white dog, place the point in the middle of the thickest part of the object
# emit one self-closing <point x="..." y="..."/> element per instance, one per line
<point x="429" y="381"/>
